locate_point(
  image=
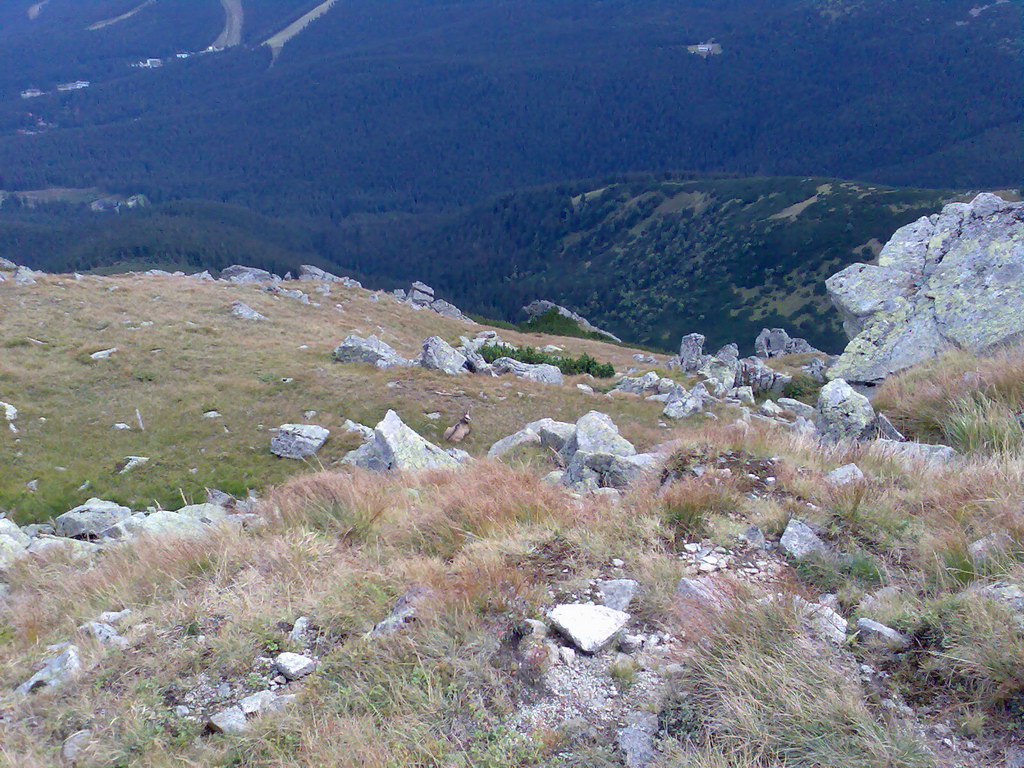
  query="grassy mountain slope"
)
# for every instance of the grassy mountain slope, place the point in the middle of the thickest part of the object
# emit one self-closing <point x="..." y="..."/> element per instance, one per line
<point x="479" y="678"/>
<point x="181" y="354"/>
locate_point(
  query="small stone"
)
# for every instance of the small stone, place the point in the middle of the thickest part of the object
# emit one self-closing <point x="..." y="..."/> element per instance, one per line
<point x="849" y="473"/>
<point x="229" y="721"/>
<point x="636" y="740"/>
<point x="799" y="541"/>
<point x="299" y="629"/>
<point x="257" y="702"/>
<point x="298" y="441"/>
<point x="567" y="655"/>
<point x="876" y="632"/>
<point x="73" y="746"/>
<point x="293" y="665"/>
<point x="618" y="593"/>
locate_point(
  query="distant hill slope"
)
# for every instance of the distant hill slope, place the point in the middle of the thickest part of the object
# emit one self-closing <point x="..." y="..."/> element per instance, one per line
<point x="654" y="259"/>
<point x="434" y="105"/>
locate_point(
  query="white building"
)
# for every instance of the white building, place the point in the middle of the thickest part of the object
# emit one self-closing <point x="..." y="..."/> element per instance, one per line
<point x="77" y="85"/>
<point x="32" y="93"/>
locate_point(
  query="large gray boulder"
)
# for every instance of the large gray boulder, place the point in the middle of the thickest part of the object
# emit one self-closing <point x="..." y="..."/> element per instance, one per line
<point x="753" y="372"/>
<point x="719" y="373"/>
<point x="91" y="519"/>
<point x="309" y="273"/>
<point x="597" y="433"/>
<point x="395" y="447"/>
<point x="920" y="454"/>
<point x="237" y="273"/>
<point x="844" y="414"/>
<point x="953" y="280"/>
<point x="373" y="351"/>
<point x="541" y="373"/>
<point x="439" y="355"/>
<point x="298" y="441"/>
<point x="589" y="627"/>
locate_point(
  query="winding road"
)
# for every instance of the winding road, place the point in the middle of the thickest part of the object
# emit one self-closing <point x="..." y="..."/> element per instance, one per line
<point x="234" y="17"/>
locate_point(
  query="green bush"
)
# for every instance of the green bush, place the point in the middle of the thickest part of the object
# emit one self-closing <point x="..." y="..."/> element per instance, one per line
<point x="802" y="387"/>
<point x="567" y="365"/>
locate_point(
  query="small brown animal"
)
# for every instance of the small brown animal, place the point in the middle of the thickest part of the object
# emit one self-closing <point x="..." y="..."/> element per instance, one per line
<point x="460" y="430"/>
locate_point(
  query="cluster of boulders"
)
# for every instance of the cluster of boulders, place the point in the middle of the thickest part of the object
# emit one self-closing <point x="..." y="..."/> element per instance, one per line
<point x="98" y="523"/>
<point x="422" y="296"/>
<point x="594" y="455"/>
<point x="541" y="307"/>
<point x="724" y="376"/>
<point x="19" y="275"/>
<point x="439" y="355"/>
<point x="952" y="280"/>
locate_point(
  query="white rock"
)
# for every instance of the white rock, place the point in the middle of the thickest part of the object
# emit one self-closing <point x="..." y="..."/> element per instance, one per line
<point x="293" y="665"/>
<point x="848" y="473"/>
<point x="800" y="541"/>
<point x="589" y="627"/>
<point x="298" y="441"/>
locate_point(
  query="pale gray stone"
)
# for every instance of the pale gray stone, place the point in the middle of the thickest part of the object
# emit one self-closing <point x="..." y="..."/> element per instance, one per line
<point x="691" y="352"/>
<point x="245" y="312"/>
<point x="843" y="413"/>
<point x="55" y="671"/>
<point x="243" y="275"/>
<point x="73" y="746"/>
<point x="294" y="665"/>
<point x="229" y="721"/>
<point x="799" y="541"/>
<point x="371" y="350"/>
<point x="916" y="454"/>
<point x="298" y="441"/>
<point x="844" y="475"/>
<point x="875" y="632"/>
<point x="589" y="627"/>
<point x="439" y="355"/>
<point x="636" y="740"/>
<point x="541" y="373"/>
<point x="89" y="520"/>
<point x="618" y="593"/>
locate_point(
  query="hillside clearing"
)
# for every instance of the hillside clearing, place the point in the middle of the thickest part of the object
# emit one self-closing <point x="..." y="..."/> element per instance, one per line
<point x="277" y="41"/>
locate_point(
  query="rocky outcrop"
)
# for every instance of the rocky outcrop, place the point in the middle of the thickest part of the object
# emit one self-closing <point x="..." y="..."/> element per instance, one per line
<point x="691" y="352"/>
<point x="309" y="273"/>
<point x="422" y="296"/>
<point x="541" y="307"/>
<point x="776" y="342"/>
<point x="844" y="414"/>
<point x="373" y="351"/>
<point x="953" y="280"/>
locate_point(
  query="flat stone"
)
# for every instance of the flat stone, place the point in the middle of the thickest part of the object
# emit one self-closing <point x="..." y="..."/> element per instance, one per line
<point x="589" y="627"/>
<point x="55" y="671"/>
<point x="875" y="632"/>
<point x="90" y="519"/>
<point x="636" y="740"/>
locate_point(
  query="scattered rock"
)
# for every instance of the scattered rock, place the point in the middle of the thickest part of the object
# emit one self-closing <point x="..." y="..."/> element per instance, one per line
<point x="403" y="612"/>
<point x="245" y="312"/>
<point x="105" y="634"/>
<point x="55" y="671"/>
<point x="542" y="373"/>
<point x="873" y="632"/>
<point x="103" y="354"/>
<point x="396" y="447"/>
<point x="636" y="740"/>
<point x="229" y="721"/>
<point x="844" y="475"/>
<point x="775" y="342"/>
<point x="799" y="541"/>
<point x="919" y="454"/>
<point x="74" y="745"/>
<point x="242" y="275"/>
<point x="439" y="355"/>
<point x="618" y="593"/>
<point x="589" y="627"/>
<point x="294" y="665"/>
<point x="691" y="352"/>
<point x="130" y="463"/>
<point x="373" y="351"/>
<point x="91" y="519"/>
<point x="843" y="414"/>
<point x="298" y="441"/>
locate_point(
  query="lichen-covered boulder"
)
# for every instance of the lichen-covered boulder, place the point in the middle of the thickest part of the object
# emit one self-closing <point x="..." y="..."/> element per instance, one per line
<point x="844" y="414"/>
<point x="371" y="350"/>
<point x="89" y="520"/>
<point x="953" y="280"/>
<point x="298" y="441"/>
<point x="541" y="373"/>
<point x="439" y="355"/>
<point x="396" y="447"/>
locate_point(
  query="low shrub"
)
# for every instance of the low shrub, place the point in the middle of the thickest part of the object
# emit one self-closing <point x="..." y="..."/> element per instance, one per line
<point x="570" y="366"/>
